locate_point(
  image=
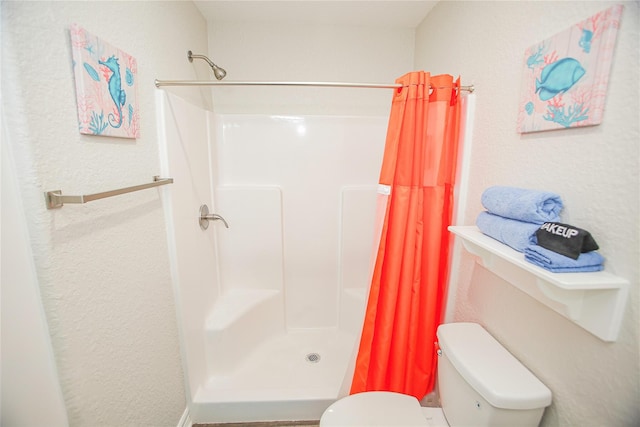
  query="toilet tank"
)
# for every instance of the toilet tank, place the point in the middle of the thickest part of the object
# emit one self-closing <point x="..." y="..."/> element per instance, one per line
<point x="481" y="384"/>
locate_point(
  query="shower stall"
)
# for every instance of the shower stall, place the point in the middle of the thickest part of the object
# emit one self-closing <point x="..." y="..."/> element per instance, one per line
<point x="269" y="309"/>
<point x="270" y="299"/>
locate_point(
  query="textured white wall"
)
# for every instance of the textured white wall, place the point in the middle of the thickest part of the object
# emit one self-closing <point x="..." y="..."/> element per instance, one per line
<point x="27" y="356"/>
<point x="594" y="169"/>
<point x="102" y="267"/>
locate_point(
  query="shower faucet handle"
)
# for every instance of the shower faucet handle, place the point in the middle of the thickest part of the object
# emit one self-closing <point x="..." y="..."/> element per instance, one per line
<point x="205" y="217"/>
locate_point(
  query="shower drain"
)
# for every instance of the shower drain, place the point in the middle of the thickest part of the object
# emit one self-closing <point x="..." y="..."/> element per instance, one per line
<point x="313" y="357"/>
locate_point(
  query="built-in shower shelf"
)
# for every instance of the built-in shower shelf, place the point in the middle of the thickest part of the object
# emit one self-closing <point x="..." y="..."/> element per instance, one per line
<point x="236" y="304"/>
<point x="595" y="301"/>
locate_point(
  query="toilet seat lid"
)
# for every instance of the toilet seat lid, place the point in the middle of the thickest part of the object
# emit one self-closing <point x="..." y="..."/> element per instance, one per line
<point x="374" y="408"/>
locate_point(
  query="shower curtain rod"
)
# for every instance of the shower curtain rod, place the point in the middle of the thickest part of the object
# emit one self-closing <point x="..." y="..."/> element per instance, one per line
<point x="160" y="83"/>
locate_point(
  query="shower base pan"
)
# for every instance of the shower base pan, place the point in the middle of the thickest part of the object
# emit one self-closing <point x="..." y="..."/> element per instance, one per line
<point x="293" y="376"/>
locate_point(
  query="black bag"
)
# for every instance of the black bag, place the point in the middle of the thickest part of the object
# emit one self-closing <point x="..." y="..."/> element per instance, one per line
<point x="565" y="239"/>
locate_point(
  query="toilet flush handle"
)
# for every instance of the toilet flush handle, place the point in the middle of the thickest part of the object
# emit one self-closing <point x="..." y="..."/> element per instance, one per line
<point x="438" y="350"/>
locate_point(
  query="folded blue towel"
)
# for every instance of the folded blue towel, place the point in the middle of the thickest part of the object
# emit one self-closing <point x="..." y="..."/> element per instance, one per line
<point x="522" y="204"/>
<point x="511" y="232"/>
<point x="553" y="261"/>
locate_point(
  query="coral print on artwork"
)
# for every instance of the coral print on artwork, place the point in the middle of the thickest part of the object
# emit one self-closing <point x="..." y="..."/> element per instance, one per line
<point x="565" y="78"/>
<point x="105" y="87"/>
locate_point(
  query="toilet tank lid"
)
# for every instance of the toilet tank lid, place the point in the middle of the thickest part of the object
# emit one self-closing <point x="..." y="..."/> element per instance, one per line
<point x="490" y="369"/>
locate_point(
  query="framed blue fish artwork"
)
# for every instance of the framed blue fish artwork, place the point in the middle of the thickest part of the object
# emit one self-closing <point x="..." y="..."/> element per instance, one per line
<point x="565" y="78"/>
<point x="105" y="80"/>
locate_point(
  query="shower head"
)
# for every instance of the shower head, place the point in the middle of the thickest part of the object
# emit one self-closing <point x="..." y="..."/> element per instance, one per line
<point x="217" y="71"/>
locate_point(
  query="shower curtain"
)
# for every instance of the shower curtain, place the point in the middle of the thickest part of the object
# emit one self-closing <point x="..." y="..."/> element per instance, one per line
<point x="408" y="288"/>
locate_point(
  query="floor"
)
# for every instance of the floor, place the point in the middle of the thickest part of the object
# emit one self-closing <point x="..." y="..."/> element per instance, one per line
<point x="314" y="423"/>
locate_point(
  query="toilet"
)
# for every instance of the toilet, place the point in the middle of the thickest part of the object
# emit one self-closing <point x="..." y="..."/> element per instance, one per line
<point x="479" y="382"/>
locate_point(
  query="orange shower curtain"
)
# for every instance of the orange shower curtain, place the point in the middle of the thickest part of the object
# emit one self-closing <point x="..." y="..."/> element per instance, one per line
<point x="407" y="294"/>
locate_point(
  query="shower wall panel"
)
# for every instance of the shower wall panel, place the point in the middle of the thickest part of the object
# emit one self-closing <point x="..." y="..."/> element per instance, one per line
<point x="357" y="253"/>
<point x="323" y="171"/>
<point x="184" y="144"/>
<point x="253" y="253"/>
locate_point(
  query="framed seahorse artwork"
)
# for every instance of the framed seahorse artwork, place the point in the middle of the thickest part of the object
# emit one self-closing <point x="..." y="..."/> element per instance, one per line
<point x="565" y="78"/>
<point x="105" y="80"/>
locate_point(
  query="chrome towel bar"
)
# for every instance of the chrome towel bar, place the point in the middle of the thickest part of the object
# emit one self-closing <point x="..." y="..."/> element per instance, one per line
<point x="54" y="199"/>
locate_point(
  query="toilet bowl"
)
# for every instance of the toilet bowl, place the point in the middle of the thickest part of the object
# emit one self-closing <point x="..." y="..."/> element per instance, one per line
<point x="479" y="382"/>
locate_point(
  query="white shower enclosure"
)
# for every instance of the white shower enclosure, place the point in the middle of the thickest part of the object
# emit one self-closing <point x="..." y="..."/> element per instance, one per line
<point x="269" y="309"/>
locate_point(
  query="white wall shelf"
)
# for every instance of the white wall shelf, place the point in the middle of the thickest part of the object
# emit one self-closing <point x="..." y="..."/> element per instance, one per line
<point x="595" y="301"/>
